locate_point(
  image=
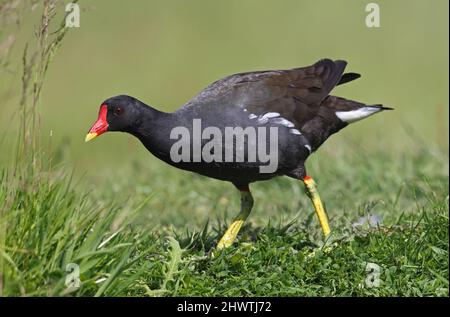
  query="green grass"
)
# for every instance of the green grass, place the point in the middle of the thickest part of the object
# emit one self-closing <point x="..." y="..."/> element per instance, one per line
<point x="123" y="239"/>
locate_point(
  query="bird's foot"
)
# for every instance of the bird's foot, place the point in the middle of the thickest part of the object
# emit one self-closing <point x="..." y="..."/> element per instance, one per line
<point x="313" y="194"/>
<point x="230" y="235"/>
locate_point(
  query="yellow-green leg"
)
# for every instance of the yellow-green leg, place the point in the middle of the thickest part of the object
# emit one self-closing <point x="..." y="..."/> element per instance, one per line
<point x="313" y="194"/>
<point x="232" y="231"/>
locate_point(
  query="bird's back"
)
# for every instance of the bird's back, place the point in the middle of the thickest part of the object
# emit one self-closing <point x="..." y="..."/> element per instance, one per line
<point x="297" y="101"/>
<point x="297" y="95"/>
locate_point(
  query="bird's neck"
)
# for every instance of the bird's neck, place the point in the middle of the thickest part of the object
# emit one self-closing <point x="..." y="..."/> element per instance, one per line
<point x="152" y="129"/>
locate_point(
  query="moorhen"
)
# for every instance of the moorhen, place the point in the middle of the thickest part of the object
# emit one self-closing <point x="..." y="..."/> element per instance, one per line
<point x="245" y="128"/>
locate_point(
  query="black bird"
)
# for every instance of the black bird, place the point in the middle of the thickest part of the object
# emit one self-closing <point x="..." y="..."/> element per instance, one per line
<point x="245" y="128"/>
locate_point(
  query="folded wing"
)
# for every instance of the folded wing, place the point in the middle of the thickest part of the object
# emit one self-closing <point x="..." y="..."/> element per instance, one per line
<point x="294" y="93"/>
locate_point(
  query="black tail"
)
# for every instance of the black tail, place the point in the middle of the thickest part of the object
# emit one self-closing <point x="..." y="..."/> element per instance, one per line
<point x="348" y="77"/>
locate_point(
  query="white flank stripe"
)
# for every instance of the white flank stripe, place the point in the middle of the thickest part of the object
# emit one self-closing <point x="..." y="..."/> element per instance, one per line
<point x="262" y="120"/>
<point x="308" y="147"/>
<point x="355" y="115"/>
<point x="252" y="116"/>
<point x="294" y="131"/>
<point x="270" y="115"/>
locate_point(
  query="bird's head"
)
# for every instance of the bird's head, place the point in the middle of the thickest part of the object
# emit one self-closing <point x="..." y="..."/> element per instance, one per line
<point x="118" y="113"/>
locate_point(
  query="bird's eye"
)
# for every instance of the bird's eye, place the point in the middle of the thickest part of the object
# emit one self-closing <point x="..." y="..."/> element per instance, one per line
<point x="118" y="111"/>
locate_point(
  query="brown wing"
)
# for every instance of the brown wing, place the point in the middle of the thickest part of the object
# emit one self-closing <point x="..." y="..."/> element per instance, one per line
<point x="294" y="93"/>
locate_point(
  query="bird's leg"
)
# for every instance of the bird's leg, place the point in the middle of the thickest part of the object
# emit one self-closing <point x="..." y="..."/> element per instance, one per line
<point x="232" y="231"/>
<point x="313" y="194"/>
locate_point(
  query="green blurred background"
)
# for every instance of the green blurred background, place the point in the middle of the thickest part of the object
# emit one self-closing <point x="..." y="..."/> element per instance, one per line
<point x="165" y="52"/>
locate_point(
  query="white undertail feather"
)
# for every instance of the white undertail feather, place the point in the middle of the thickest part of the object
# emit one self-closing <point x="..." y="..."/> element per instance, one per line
<point x="358" y="114"/>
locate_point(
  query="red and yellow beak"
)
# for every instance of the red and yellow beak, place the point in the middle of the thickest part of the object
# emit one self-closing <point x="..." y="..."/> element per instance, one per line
<point x="100" y="126"/>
